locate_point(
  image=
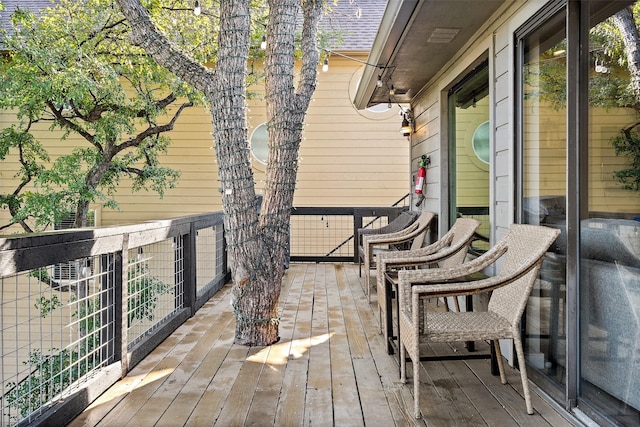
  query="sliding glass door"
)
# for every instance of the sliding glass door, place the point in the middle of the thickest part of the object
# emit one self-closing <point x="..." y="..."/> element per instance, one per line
<point x="578" y="123"/>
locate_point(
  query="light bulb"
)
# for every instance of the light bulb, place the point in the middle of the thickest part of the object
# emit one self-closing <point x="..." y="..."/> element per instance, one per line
<point x="379" y="81"/>
<point x="263" y="44"/>
<point x="325" y="65"/>
<point x="196" y="8"/>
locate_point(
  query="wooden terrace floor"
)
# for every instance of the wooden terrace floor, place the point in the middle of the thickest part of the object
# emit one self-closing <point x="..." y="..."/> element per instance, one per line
<point x="329" y="369"/>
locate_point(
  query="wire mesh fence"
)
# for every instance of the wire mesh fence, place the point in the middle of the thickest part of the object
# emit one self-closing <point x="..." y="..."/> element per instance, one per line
<point x="210" y="254"/>
<point x="54" y="332"/>
<point x="73" y="303"/>
<point x="155" y="286"/>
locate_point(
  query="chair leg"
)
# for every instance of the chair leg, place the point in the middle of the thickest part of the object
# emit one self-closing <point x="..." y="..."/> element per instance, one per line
<point x="496" y="346"/>
<point x="523" y="373"/>
<point x="416" y="386"/>
<point x="403" y="363"/>
<point x="367" y="276"/>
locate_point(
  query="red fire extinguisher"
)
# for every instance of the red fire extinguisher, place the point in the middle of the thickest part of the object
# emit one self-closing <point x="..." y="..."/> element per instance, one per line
<point x="420" y="178"/>
<point x="422" y="173"/>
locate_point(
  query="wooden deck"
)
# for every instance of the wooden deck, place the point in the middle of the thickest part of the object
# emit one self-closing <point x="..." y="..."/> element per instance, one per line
<point x="329" y="369"/>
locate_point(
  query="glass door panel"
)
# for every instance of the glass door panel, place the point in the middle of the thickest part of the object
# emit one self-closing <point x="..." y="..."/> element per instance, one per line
<point x="610" y="230"/>
<point x="544" y="177"/>
<point x="469" y="150"/>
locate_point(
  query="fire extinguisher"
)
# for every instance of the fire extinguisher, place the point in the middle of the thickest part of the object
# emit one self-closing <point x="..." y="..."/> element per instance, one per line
<point x="420" y="178"/>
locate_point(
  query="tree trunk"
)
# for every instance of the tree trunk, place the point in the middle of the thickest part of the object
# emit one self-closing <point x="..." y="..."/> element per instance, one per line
<point x="626" y="24"/>
<point x="256" y="246"/>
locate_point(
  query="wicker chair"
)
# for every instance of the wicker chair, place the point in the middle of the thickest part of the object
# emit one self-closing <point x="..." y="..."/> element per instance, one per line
<point x="402" y="221"/>
<point x="377" y="243"/>
<point x="450" y="250"/>
<point x="520" y="252"/>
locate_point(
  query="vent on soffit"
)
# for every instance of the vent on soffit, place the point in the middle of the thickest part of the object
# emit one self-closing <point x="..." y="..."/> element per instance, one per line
<point x="443" y="35"/>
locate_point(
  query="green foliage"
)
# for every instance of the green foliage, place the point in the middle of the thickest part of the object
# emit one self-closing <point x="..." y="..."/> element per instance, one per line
<point x="74" y="70"/>
<point x="47" y="305"/>
<point x="627" y="144"/>
<point x="52" y="373"/>
<point x="144" y="291"/>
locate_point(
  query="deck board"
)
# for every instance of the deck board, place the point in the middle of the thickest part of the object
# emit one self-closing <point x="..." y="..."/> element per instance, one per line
<point x="330" y="368"/>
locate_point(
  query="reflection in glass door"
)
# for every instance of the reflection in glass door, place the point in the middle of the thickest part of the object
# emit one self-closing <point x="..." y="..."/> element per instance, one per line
<point x="544" y="192"/>
<point x="469" y="149"/>
<point x="610" y="230"/>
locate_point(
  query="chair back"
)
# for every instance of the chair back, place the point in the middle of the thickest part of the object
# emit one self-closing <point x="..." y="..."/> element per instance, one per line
<point x="461" y="235"/>
<point x="525" y="249"/>
<point x="423" y="222"/>
<point x="402" y="221"/>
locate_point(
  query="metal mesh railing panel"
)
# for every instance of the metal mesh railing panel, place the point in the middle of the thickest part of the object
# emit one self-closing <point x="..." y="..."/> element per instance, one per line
<point x="53" y="333"/>
<point x="155" y="286"/>
<point x="209" y="250"/>
<point x="321" y="235"/>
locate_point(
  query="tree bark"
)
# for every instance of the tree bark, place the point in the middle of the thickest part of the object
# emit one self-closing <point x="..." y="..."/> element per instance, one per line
<point x="256" y="246"/>
<point x="626" y="24"/>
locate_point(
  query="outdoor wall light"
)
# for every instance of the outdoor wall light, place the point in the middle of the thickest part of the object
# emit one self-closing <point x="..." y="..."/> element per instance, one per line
<point x="196" y="8"/>
<point x="407" y="123"/>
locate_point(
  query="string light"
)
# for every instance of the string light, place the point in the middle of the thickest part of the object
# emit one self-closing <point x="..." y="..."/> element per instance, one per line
<point x="379" y="81"/>
<point x="196" y="8"/>
<point x="325" y="65"/>
<point x="263" y="44"/>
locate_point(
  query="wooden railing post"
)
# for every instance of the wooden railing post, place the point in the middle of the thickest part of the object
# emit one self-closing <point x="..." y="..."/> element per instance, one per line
<point x="189" y="265"/>
<point x="357" y="223"/>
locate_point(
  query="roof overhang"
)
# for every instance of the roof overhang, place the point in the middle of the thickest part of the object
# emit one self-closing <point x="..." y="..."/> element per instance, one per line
<point x="416" y="38"/>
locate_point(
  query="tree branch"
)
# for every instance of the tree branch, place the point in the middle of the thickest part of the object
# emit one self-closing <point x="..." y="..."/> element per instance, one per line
<point x="65" y="122"/>
<point x="145" y="34"/>
<point x="152" y="130"/>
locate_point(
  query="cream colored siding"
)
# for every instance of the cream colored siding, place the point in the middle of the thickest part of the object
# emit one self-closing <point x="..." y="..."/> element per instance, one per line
<point x="347" y="157"/>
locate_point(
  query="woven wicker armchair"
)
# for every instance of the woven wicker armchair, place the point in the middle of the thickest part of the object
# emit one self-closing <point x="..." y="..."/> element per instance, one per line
<point x="450" y="250"/>
<point x="373" y="244"/>
<point x="401" y="222"/>
<point x="520" y="253"/>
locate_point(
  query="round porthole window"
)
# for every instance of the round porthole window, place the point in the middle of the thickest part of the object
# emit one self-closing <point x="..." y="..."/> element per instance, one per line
<point x="260" y="143"/>
<point x="480" y="142"/>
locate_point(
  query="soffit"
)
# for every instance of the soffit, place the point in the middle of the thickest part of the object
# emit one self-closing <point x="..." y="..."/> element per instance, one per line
<point x="414" y="42"/>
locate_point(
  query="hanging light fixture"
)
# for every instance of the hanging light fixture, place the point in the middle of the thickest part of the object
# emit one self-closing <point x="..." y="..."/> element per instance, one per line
<point x="407" y="128"/>
<point x="325" y="65"/>
<point x="196" y="8"/>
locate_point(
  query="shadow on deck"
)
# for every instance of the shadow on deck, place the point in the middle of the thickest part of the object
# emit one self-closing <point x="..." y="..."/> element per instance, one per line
<point x="330" y="368"/>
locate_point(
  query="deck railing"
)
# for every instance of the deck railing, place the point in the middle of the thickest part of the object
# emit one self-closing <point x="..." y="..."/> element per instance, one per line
<point x="79" y="308"/>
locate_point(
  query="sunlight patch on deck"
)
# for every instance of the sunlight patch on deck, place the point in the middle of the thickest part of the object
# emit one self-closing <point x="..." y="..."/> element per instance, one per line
<point x="278" y="354"/>
<point x="130" y="383"/>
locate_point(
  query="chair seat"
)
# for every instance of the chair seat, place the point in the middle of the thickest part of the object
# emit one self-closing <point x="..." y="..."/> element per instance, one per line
<point x="465" y="326"/>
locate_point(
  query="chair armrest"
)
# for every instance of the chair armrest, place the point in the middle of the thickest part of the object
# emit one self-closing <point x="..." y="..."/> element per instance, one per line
<point x="450" y="274"/>
<point x="396" y="237"/>
<point x="405" y="235"/>
<point x="427" y="255"/>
